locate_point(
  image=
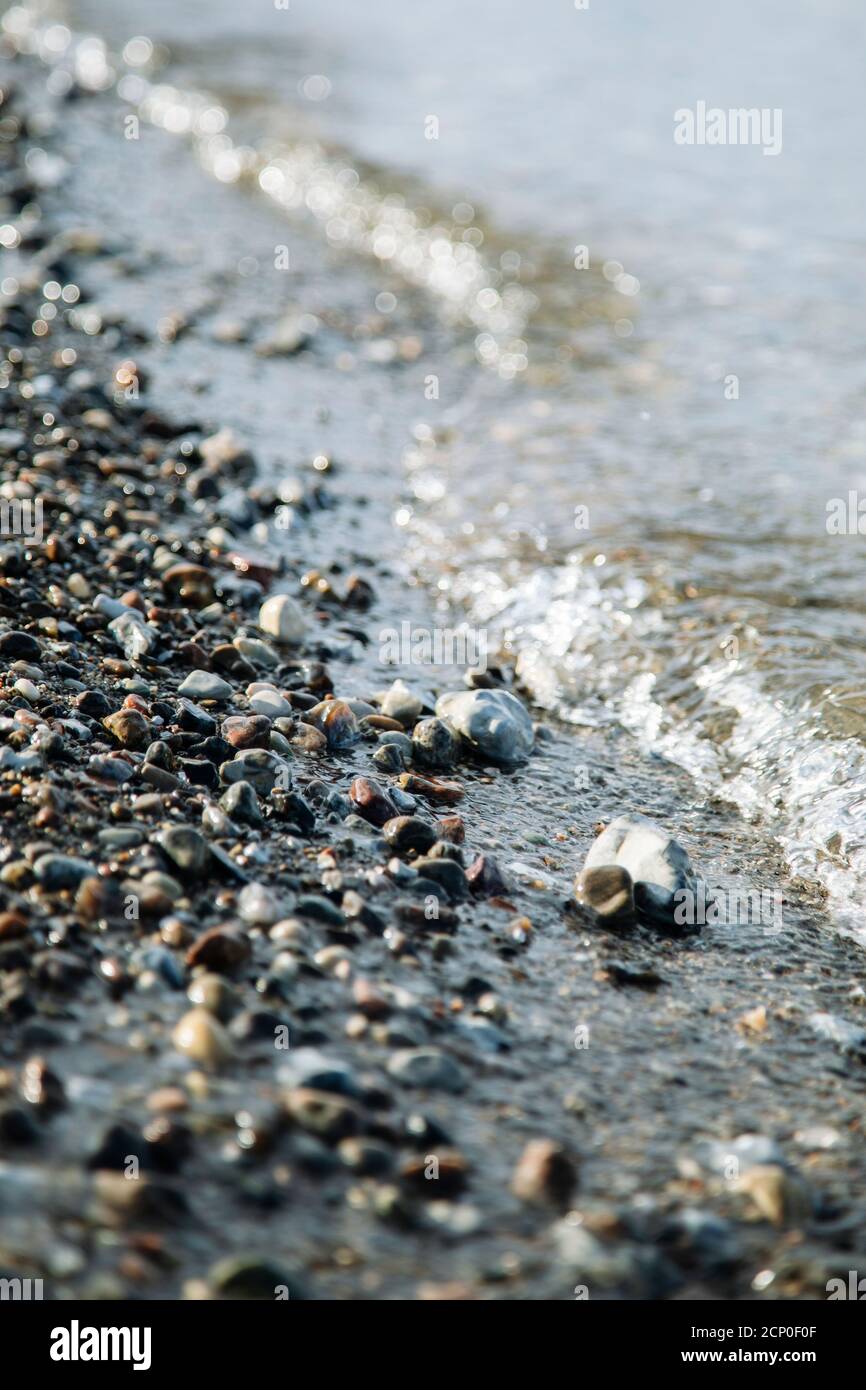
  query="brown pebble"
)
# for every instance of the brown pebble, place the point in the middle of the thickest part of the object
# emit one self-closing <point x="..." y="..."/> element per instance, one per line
<point x="544" y="1174"/>
<point x="371" y="801"/>
<point x="431" y="788"/>
<point x="199" y="1036"/>
<point x="220" y="949"/>
<point x="129" y="727"/>
<point x="247" y="730"/>
<point x="308" y="739"/>
<point x="370" y="1001"/>
<point x="191" y="585"/>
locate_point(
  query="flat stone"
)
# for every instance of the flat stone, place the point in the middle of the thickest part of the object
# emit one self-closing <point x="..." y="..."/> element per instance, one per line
<point x="427" y="1068"/>
<point x="205" y="685"/>
<point x="58" y="871"/>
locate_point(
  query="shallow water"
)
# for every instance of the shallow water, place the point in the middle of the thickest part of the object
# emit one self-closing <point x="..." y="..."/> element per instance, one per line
<point x="696" y="389"/>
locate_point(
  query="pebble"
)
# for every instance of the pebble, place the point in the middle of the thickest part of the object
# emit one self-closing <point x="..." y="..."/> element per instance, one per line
<point x="19" y="646"/>
<point x="246" y="731"/>
<point x="493" y="722"/>
<point x="258" y="906"/>
<point x="201" y="1037"/>
<point x="309" y="1066"/>
<point x="401" y="703"/>
<point x="405" y="833"/>
<point x="268" y="701"/>
<point x="205" y="685"/>
<point x="434" y="744"/>
<point x="657" y="864"/>
<point x="241" y="802"/>
<point x="337" y="721"/>
<point x="58" y="871"/>
<point x="606" y="892"/>
<point x="427" y="1068"/>
<point x="258" y="652"/>
<point x="282" y="618"/>
<point x="545" y="1173"/>
<point x="371" y="801"/>
<point x="329" y="1116"/>
<point x="261" y="768"/>
<point x="186" y="848"/>
<point x="222" y="949"/>
<point x="190" y="585"/>
<point x="129" y="727"/>
<point x="485" y="878"/>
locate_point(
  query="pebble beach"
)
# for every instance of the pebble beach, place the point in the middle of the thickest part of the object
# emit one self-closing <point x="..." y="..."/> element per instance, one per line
<point x="324" y="976"/>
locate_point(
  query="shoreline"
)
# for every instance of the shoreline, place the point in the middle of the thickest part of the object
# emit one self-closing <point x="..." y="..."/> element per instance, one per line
<point x="309" y="1168"/>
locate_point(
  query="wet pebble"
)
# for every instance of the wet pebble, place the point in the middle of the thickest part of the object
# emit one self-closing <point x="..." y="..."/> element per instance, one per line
<point x="200" y="1037"/>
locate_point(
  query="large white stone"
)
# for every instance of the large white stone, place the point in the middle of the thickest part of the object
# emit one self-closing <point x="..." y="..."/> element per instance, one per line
<point x="281" y="617"/>
<point x="658" y="864"/>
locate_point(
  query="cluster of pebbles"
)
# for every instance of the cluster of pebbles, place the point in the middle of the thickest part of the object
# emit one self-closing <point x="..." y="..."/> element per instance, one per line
<point x="193" y="821"/>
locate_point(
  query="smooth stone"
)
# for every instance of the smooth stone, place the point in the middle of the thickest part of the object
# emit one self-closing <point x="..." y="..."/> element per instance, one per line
<point x="258" y="652"/>
<point x="186" y="848"/>
<point x="607" y="892"/>
<point x="311" y="1068"/>
<point x="205" y="685"/>
<point x="652" y="858"/>
<point x="241" y="802"/>
<point x="129" y="727"/>
<point x="406" y="833"/>
<point x="371" y="801"/>
<point x="270" y="702"/>
<point x="337" y="721"/>
<point x="282" y="618"/>
<point x="434" y="744"/>
<point x="247" y="731"/>
<point x="108" y="768"/>
<point x="58" y="871"/>
<point x="189" y="584"/>
<point x="401" y="703"/>
<point x="259" y="906"/>
<point x="446" y="873"/>
<point x="426" y="1067"/>
<point x="201" y="1037"/>
<point x="261" y="768"/>
<point x="389" y="758"/>
<point x="216" y="822"/>
<point x="493" y="722"/>
<point x="322" y="1113"/>
<point x="220" y="949"/>
<point x="19" y="646"/>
